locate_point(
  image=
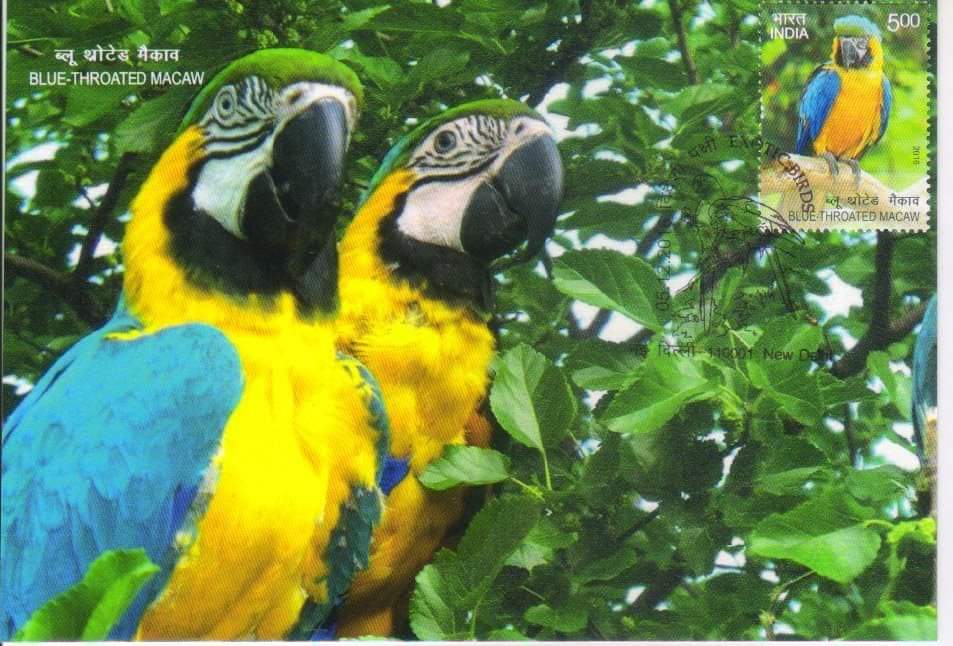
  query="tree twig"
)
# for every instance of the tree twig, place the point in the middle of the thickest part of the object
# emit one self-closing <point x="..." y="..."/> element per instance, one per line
<point x="101" y="218"/>
<point x="660" y="589"/>
<point x="855" y="359"/>
<point x="62" y="285"/>
<point x="776" y="178"/>
<point x="691" y="70"/>
<point x="881" y="332"/>
<point x="575" y="44"/>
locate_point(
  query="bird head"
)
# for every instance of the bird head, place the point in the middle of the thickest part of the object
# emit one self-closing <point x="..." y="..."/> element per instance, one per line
<point x="275" y="126"/>
<point x="856" y="42"/>
<point x="480" y="181"/>
<point x="250" y="182"/>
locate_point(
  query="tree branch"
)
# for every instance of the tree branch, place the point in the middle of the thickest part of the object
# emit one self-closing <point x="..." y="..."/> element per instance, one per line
<point x="660" y="589"/>
<point x="101" y="217"/>
<point x="690" y="69"/>
<point x="775" y="178"/>
<point x="77" y="297"/>
<point x="881" y="332"/>
<point x="855" y="359"/>
<point x="575" y="44"/>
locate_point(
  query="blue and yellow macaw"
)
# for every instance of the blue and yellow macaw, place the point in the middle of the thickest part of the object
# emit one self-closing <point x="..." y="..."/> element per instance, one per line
<point x="457" y="194"/>
<point x="845" y="105"/>
<point x="924" y="390"/>
<point x="207" y="420"/>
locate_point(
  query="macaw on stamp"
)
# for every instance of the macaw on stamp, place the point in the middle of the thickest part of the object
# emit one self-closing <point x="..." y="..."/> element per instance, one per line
<point x="845" y="102"/>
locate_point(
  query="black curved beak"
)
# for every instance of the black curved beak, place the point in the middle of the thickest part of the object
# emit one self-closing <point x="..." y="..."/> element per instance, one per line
<point x="519" y="204"/>
<point x="854" y="51"/>
<point x="298" y="192"/>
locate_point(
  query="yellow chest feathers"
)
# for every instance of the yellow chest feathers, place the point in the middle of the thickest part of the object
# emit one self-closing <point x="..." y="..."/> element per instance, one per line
<point x="854" y="120"/>
<point x="278" y="482"/>
<point x="430" y="357"/>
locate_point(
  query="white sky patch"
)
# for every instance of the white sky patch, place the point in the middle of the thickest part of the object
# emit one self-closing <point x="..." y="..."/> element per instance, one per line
<point x="634" y="593"/>
<point x="104" y="247"/>
<point x="600" y="241"/>
<point x="611" y="156"/>
<point x="584" y="313"/>
<point x="727" y="559"/>
<point x="21" y="385"/>
<point x="731" y="165"/>
<point x="645" y="505"/>
<point x="904" y="429"/>
<point x="628" y="196"/>
<point x="591" y="397"/>
<point x="41" y="152"/>
<point x="554" y="249"/>
<point x="892" y="453"/>
<point x="596" y="86"/>
<point x="770" y="576"/>
<point x="619" y="328"/>
<point x="705" y="13"/>
<point x="678" y="282"/>
<point x="848" y="339"/>
<point x="900" y="367"/>
<point x="843" y="296"/>
<point x="25" y="184"/>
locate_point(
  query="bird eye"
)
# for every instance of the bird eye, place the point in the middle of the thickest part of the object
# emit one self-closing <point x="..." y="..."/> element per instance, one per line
<point x="445" y="141"/>
<point x="225" y="103"/>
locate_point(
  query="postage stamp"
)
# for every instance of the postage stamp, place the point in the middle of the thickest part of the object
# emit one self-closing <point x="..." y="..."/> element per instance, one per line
<point x="845" y="104"/>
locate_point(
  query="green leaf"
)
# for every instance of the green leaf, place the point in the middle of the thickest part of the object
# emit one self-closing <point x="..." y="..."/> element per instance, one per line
<point x="540" y="545"/>
<point x="452" y="586"/>
<point x="697" y="99"/>
<point x="902" y="621"/>
<point x="382" y="71"/>
<point x="826" y="534"/>
<point x="469" y="465"/>
<point x="531" y="398"/>
<point x="601" y="365"/>
<point x="567" y="618"/>
<point x="153" y="123"/>
<point x="897" y="388"/>
<point x="86" y="104"/>
<point x="668" y="383"/>
<point x="90" y="609"/>
<point x="879" y="485"/>
<point x="605" y="568"/>
<point x="625" y="284"/>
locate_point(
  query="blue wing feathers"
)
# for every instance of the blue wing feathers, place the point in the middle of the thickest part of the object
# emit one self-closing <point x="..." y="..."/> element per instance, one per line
<point x="107" y="452"/>
<point x="348" y="550"/>
<point x="924" y="374"/>
<point x="818" y="98"/>
<point x="885" y="103"/>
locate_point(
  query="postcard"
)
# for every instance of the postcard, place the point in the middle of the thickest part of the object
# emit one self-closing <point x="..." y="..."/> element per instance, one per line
<point x="470" y="320"/>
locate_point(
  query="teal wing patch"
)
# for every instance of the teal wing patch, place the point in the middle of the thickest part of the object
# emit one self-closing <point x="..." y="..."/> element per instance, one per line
<point x="107" y="452"/>
<point x="349" y="549"/>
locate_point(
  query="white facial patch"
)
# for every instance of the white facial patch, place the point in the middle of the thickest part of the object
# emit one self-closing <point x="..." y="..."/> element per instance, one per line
<point x="223" y="182"/>
<point x="434" y="210"/>
<point x="240" y="129"/>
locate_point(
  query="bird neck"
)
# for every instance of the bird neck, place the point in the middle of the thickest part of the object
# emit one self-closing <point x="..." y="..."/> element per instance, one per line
<point x="375" y="248"/>
<point x="164" y="283"/>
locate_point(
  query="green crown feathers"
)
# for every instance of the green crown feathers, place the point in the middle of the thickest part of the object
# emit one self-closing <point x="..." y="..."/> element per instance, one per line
<point x="278" y="68"/>
<point x="855" y="26"/>
<point x="398" y="154"/>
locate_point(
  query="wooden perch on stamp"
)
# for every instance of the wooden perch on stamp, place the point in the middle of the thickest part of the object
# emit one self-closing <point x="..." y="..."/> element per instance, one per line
<point x="794" y="175"/>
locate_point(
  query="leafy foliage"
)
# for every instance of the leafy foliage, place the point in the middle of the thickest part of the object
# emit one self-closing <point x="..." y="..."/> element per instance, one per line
<point x="747" y="490"/>
<point x="90" y="609"/>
